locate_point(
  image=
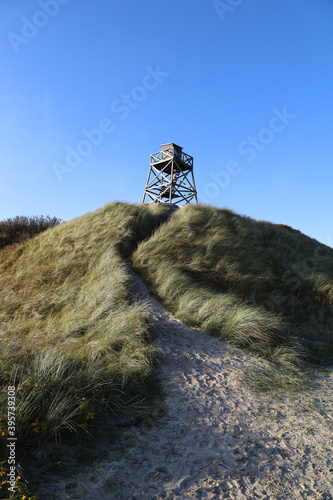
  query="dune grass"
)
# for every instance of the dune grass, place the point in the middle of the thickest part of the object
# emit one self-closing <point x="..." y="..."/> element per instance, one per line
<point x="76" y="344"/>
<point x="73" y="341"/>
<point x="261" y="286"/>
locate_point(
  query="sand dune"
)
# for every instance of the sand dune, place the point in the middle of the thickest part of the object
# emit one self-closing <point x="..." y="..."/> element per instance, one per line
<point x="217" y="439"/>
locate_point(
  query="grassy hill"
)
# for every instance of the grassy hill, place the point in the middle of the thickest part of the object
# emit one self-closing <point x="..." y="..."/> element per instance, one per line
<point x="73" y="340"/>
<point x="261" y="286"/>
<point x="76" y="343"/>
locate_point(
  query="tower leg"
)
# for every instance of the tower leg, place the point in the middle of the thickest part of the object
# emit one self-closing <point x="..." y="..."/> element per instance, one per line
<point x="147" y="183"/>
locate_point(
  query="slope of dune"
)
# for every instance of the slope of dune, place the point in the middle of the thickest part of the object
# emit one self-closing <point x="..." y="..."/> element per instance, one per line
<point x="261" y="286"/>
<point x="76" y="333"/>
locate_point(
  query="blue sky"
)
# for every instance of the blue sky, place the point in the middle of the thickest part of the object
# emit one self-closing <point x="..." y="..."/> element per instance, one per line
<point x="89" y="89"/>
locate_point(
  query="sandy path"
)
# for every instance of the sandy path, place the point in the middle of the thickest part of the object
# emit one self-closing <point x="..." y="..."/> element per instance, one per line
<point x="218" y="439"/>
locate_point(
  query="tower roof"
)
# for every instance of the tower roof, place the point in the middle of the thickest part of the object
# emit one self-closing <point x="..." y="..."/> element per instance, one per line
<point x="170" y="145"/>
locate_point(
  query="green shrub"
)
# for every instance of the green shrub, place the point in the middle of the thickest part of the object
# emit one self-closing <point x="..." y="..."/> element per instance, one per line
<point x="21" y="228"/>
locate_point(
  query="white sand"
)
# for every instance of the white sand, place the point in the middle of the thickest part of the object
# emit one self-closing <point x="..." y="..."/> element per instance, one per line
<point x="218" y="439"/>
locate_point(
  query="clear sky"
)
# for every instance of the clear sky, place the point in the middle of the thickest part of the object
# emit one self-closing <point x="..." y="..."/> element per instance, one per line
<point x="89" y="89"/>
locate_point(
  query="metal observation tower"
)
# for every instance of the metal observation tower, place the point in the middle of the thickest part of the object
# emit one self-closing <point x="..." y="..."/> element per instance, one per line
<point x="170" y="177"/>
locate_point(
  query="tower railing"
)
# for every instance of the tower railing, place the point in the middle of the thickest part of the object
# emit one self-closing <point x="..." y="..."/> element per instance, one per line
<point x="170" y="154"/>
